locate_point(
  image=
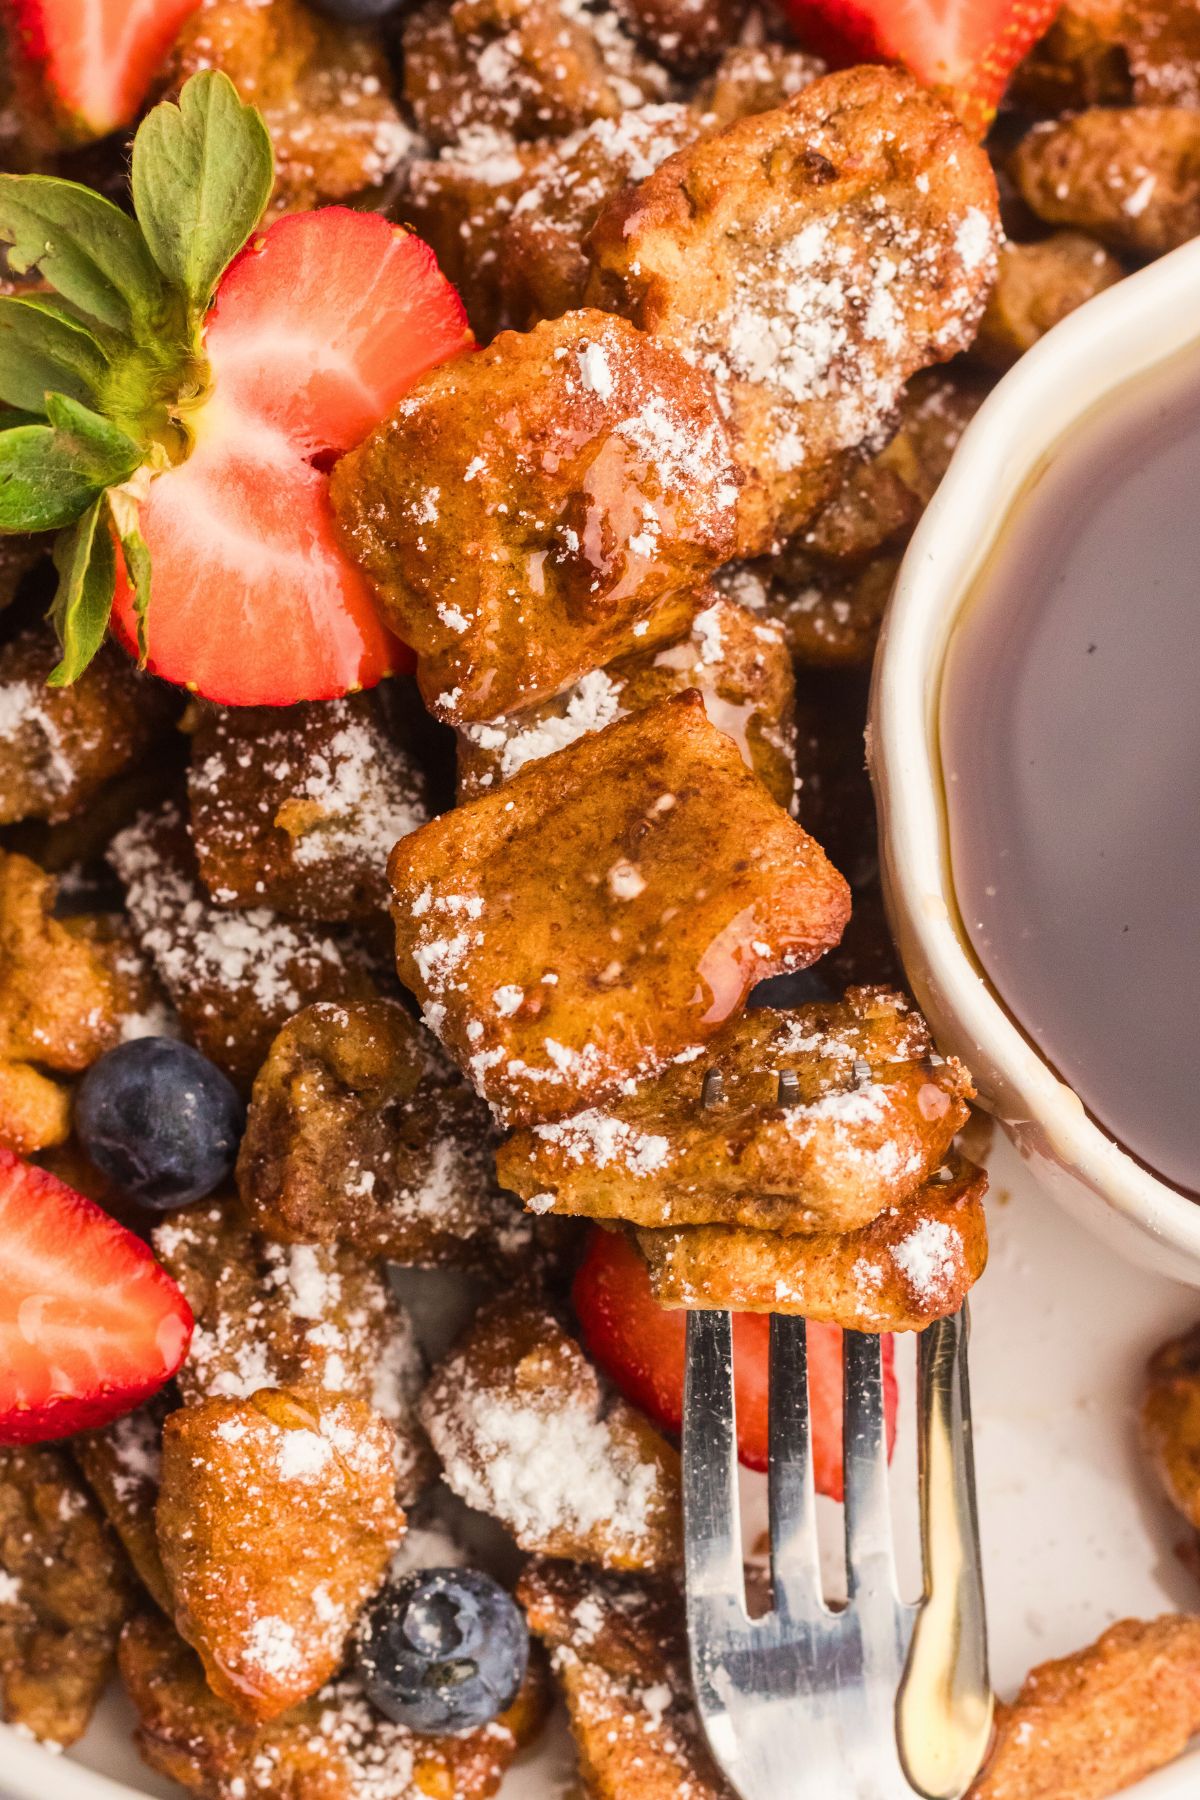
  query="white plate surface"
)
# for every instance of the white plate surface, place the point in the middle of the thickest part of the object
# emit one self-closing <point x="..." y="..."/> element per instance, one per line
<point x="1074" y="1535"/>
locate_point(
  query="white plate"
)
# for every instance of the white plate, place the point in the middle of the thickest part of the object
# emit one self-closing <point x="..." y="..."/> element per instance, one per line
<point x="1074" y="1535"/>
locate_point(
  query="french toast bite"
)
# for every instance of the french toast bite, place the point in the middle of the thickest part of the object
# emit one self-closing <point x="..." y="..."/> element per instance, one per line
<point x="58" y="746"/>
<point x="67" y="994"/>
<point x="334" y="1746"/>
<point x="754" y="78"/>
<point x="1170" y="1421"/>
<point x="522" y="68"/>
<point x="122" y="1465"/>
<point x="914" y="1263"/>
<point x="738" y="662"/>
<point x="811" y="259"/>
<point x="1088" y="1725"/>
<point x="234" y="977"/>
<point x="293" y="1316"/>
<point x="1037" y="285"/>
<point x="541" y="251"/>
<point x="527" y="1433"/>
<point x="1113" y="52"/>
<point x="361" y="1133"/>
<point x="323" y="88"/>
<point x="619" y="1655"/>
<point x="535" y="510"/>
<point x="296" y="808"/>
<point x="687" y="35"/>
<point x="64" y="1595"/>
<point x="460" y="202"/>
<point x="276" y="1519"/>
<point x="1129" y="176"/>
<point x="817" y="1119"/>
<point x="606" y="911"/>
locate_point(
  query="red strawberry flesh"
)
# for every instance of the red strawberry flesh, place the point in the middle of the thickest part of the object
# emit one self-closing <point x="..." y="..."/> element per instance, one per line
<point x="320" y="326"/>
<point x="90" y="1325"/>
<point x="641" y="1345"/>
<point x="97" y="58"/>
<point x="967" y="49"/>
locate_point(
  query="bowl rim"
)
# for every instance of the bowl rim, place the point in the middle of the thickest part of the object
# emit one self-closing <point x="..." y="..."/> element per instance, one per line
<point x="1122" y="333"/>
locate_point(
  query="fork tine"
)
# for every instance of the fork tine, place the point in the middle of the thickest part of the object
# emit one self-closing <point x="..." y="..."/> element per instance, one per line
<point x="870" y="1563"/>
<point x="795" y="1559"/>
<point x="712" y="1520"/>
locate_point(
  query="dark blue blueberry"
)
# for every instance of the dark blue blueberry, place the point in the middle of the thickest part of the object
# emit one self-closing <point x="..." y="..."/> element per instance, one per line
<point x="443" y="1650"/>
<point x="356" y="12"/>
<point x="160" y="1121"/>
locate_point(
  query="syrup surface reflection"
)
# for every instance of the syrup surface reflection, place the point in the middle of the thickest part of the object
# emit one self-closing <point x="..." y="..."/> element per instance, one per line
<point x="1070" y="750"/>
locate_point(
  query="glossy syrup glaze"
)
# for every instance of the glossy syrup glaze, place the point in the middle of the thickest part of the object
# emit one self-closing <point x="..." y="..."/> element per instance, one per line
<point x="1070" y="748"/>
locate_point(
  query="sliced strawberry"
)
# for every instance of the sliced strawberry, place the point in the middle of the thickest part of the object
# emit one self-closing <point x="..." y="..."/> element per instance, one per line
<point x="95" y="59"/>
<point x="967" y="49"/>
<point x="319" y="327"/>
<point x="90" y="1325"/>
<point x="325" y="320"/>
<point x="640" y="1345"/>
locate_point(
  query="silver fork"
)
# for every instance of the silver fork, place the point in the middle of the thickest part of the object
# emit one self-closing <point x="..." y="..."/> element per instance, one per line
<point x="876" y="1699"/>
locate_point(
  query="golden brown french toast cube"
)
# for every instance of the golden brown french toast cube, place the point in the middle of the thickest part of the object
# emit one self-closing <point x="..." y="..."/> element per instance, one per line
<point x="619" y="1654"/>
<point x="323" y="88"/>
<point x="532" y="511"/>
<point x="35" y="1110"/>
<point x="276" y="1519"/>
<point x="867" y="1115"/>
<point x="123" y="1467"/>
<point x="527" y="1433"/>
<point x="60" y="1001"/>
<point x="1112" y="52"/>
<point x="524" y="69"/>
<point x="829" y="612"/>
<point x="316" y="1316"/>
<point x="64" y="1593"/>
<point x="687" y="35"/>
<point x="1129" y="176"/>
<point x="58" y="746"/>
<point x="297" y="807"/>
<point x="914" y="1263"/>
<point x="361" y="1132"/>
<point x="737" y="661"/>
<point x="335" y="1746"/>
<point x="1037" y="285"/>
<point x="754" y="78"/>
<point x="1170" y="1421"/>
<point x="1089" y="1725"/>
<point x="234" y="976"/>
<point x="1078" y="62"/>
<point x="542" y="257"/>
<point x="606" y="911"/>
<point x="460" y="203"/>
<point x="811" y="259"/>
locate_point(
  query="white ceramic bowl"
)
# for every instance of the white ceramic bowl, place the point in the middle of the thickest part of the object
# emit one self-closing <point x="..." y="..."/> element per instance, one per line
<point x="1112" y="340"/>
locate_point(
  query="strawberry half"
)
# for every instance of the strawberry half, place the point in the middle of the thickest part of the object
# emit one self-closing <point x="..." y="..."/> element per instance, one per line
<point x="94" y="60"/>
<point x="90" y="1325"/>
<point x="319" y="327"/>
<point x="641" y="1346"/>
<point x="967" y="49"/>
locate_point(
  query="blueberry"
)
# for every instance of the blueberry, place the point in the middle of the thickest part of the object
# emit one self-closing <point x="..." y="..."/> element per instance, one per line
<point x="356" y="12"/>
<point x="160" y="1121"/>
<point x="443" y="1650"/>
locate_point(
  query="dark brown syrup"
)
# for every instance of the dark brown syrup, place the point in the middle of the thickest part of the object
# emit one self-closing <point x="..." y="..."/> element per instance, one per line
<point x="1070" y="747"/>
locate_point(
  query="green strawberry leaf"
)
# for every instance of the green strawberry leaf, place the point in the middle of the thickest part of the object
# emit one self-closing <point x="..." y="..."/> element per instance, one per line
<point x="51" y="474"/>
<point x="87" y="576"/>
<point x="202" y="174"/>
<point x="40" y="350"/>
<point x="135" y="553"/>
<point x="89" y="251"/>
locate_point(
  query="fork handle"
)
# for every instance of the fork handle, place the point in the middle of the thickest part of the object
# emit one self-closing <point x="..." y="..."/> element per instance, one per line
<point x="944" y="1708"/>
